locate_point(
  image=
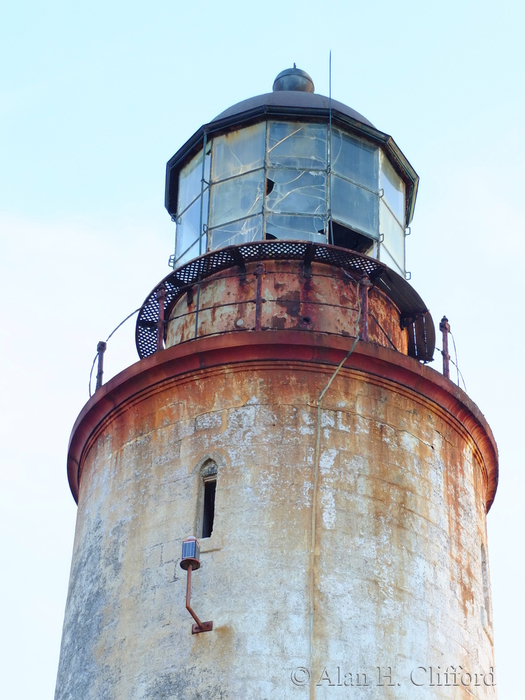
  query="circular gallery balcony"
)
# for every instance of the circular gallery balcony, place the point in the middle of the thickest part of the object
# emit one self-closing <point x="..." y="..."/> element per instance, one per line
<point x="287" y="206"/>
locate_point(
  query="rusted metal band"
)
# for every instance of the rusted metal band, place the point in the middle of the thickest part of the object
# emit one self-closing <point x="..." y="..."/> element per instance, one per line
<point x="311" y="351"/>
<point x="412" y="308"/>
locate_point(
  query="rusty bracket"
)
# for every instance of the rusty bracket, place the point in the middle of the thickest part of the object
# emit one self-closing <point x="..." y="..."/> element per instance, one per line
<point x="406" y="321"/>
<point x="365" y="287"/>
<point x="258" y="272"/>
<point x="205" y="627"/>
<point x="199" y="626"/>
<point x="309" y="256"/>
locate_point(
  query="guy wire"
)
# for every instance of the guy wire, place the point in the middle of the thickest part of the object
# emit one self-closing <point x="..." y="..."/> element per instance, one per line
<point x="315" y="486"/>
<point x="109" y="336"/>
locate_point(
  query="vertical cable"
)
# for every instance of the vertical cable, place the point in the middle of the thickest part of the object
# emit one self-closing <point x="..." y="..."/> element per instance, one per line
<point x="315" y="488"/>
<point x="329" y="183"/>
<point x="265" y="187"/>
<point x="456" y="356"/>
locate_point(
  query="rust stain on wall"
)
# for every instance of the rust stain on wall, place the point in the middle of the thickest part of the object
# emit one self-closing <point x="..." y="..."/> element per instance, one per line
<point x="325" y="301"/>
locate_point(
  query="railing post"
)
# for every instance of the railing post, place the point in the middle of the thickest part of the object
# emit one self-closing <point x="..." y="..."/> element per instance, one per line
<point x="444" y="327"/>
<point x="365" y="287"/>
<point x="101" y="349"/>
<point x="258" y="272"/>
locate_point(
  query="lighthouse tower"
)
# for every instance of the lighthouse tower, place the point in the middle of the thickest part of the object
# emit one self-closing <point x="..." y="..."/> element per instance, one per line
<point x="280" y="499"/>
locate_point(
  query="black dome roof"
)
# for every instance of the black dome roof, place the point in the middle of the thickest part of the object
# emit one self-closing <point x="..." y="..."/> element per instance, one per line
<point x="290" y="99"/>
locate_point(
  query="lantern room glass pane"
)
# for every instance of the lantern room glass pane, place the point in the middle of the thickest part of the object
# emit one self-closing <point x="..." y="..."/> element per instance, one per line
<point x="394" y="236"/>
<point x="237" y="233"/>
<point x="190" y="254"/>
<point x="188" y="226"/>
<point x="355" y="160"/>
<point x="295" y="145"/>
<point x="237" y="198"/>
<point x="190" y="180"/>
<point x="386" y="258"/>
<point x="393" y="189"/>
<point x="355" y="207"/>
<point x="238" y="151"/>
<point x="296" y="191"/>
<point x="304" y="228"/>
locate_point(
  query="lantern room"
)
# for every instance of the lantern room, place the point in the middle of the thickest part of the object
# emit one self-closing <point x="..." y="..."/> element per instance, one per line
<point x="291" y="165"/>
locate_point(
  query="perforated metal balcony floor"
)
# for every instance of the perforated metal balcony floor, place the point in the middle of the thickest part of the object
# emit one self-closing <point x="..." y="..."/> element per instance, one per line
<point x="414" y="314"/>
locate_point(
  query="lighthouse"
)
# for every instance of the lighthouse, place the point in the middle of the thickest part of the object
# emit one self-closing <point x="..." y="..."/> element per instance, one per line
<point x="281" y="498"/>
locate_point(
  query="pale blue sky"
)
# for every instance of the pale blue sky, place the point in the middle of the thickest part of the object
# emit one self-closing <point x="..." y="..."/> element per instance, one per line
<point x="96" y="97"/>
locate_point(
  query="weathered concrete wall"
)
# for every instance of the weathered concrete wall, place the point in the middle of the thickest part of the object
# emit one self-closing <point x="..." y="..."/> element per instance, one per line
<point x="399" y="528"/>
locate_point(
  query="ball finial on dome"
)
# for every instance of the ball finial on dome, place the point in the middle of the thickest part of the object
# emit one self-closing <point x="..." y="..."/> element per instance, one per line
<point x="293" y="79"/>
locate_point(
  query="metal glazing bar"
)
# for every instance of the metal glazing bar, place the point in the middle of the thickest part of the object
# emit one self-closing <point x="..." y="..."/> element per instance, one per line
<point x="204" y="142"/>
<point x="265" y="178"/>
<point x="238" y="175"/>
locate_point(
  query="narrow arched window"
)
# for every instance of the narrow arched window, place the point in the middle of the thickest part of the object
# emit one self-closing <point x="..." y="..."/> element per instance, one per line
<point x="207" y="499"/>
<point x="208" y="513"/>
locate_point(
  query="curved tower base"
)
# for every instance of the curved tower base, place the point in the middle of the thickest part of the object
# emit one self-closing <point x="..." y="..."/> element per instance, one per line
<point x="395" y="589"/>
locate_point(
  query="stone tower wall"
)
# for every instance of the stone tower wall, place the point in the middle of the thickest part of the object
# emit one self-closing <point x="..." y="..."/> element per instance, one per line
<point x="406" y="468"/>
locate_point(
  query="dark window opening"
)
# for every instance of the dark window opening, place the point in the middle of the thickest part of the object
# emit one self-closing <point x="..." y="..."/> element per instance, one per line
<point x="208" y="515"/>
<point x="347" y="238"/>
<point x="343" y="237"/>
